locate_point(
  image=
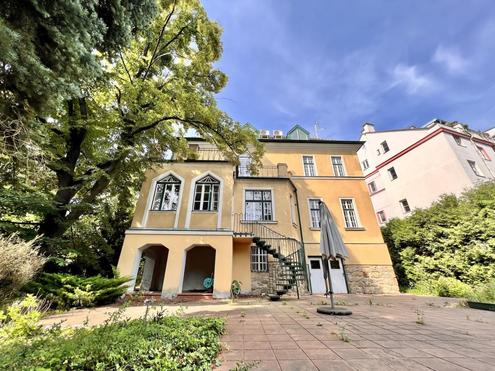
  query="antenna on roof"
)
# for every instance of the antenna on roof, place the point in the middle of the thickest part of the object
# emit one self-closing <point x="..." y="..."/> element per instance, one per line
<point x="317" y="127"/>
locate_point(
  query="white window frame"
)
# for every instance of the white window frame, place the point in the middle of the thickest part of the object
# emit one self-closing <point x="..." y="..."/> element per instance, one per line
<point x="378" y="215"/>
<point x="367" y="166"/>
<point x="344" y="170"/>
<point x="458" y="140"/>
<point x="315" y="170"/>
<point x="484" y="153"/>
<point x="390" y="174"/>
<point x="356" y="213"/>
<point x="476" y="170"/>
<point x="210" y="193"/>
<point x="311" y="221"/>
<point x="166" y="185"/>
<point x="292" y="210"/>
<point x="274" y="219"/>
<point x="402" y="206"/>
<point x="258" y="259"/>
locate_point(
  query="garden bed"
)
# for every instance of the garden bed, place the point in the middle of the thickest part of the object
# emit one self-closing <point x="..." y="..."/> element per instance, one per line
<point x="158" y="343"/>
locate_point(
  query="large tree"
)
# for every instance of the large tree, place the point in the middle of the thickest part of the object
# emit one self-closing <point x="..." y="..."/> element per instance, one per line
<point x="49" y="49"/>
<point x="163" y="84"/>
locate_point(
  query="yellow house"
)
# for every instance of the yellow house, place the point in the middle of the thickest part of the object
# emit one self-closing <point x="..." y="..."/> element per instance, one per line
<point x="202" y="223"/>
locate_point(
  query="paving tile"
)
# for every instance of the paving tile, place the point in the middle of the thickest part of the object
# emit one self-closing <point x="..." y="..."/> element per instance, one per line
<point x="338" y="344"/>
<point x="278" y="337"/>
<point x="472" y="364"/>
<point x="284" y="345"/>
<point x="297" y="365"/>
<point x="353" y="354"/>
<point x="258" y="354"/>
<point x="232" y="345"/>
<point x="256" y="345"/>
<point x="289" y="354"/>
<point x="266" y="366"/>
<point x="302" y="337"/>
<point x="439" y="364"/>
<point x="320" y="354"/>
<point x="310" y="344"/>
<point x="233" y="355"/>
<point x="333" y="365"/>
<point x="369" y="365"/>
<point x="440" y="352"/>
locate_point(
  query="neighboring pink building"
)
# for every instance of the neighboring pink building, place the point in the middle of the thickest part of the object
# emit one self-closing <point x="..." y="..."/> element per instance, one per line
<point x="410" y="168"/>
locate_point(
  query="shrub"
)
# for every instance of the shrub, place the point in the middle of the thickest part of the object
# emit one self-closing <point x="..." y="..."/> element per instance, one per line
<point x="484" y="293"/>
<point x="19" y="262"/>
<point x="159" y="343"/>
<point x="450" y="287"/>
<point x="66" y="290"/>
<point x="455" y="238"/>
<point x="20" y="320"/>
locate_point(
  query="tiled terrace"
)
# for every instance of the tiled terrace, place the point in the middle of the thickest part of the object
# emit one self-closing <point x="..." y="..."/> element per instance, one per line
<point x="384" y="333"/>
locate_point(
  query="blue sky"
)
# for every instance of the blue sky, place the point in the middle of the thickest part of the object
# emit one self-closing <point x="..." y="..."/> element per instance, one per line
<point x="341" y="63"/>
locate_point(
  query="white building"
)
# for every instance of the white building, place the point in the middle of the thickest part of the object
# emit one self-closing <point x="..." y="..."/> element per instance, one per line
<point x="410" y="168"/>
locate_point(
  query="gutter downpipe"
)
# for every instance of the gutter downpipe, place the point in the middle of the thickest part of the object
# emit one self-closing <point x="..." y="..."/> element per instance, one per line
<point x="301" y="233"/>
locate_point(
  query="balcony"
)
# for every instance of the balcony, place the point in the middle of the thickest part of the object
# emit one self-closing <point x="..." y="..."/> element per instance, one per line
<point x="278" y="171"/>
<point x="201" y="154"/>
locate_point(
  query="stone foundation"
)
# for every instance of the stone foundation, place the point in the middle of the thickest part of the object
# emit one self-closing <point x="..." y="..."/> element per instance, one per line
<point x="371" y="279"/>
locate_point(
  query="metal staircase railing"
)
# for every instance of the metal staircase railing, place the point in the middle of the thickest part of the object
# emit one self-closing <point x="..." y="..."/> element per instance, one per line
<point x="290" y="270"/>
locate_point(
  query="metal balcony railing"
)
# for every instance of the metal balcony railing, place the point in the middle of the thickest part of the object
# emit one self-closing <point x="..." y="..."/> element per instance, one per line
<point x="263" y="172"/>
<point x="202" y="154"/>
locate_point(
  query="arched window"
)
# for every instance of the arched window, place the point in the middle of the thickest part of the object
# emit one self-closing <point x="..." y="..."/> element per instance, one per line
<point x="166" y="194"/>
<point x="206" y="194"/>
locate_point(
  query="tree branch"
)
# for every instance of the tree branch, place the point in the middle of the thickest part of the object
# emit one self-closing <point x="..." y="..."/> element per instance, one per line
<point x="125" y="67"/>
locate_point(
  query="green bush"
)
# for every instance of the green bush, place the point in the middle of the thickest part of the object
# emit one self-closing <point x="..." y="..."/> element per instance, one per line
<point x="65" y="290"/>
<point x="159" y="343"/>
<point x="484" y="293"/>
<point x="454" y="238"/>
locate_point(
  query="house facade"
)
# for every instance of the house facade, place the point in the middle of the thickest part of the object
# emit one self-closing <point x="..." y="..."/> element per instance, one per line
<point x="411" y="168"/>
<point x="201" y="223"/>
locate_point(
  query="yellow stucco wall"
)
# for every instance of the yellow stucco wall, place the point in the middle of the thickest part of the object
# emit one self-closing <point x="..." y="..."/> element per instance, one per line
<point x="177" y="245"/>
<point x="366" y="246"/>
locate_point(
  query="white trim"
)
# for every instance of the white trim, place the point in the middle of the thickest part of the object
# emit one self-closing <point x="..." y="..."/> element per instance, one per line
<point x="274" y="219"/>
<point x="343" y="166"/>
<point x="151" y="193"/>
<point x="355" y="211"/>
<point x="314" y="163"/>
<point x="191" y="198"/>
<point x="152" y="231"/>
<point x="309" y="211"/>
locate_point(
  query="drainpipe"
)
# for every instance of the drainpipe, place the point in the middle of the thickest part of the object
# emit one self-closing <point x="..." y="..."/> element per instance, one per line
<point x="478" y="152"/>
<point x="300" y="232"/>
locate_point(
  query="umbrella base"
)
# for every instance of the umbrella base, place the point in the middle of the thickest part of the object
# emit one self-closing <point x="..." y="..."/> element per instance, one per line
<point x="336" y="311"/>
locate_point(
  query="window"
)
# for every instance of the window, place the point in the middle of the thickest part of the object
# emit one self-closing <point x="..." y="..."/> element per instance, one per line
<point x="315" y="264"/>
<point x="381" y="217"/>
<point x="166" y="194"/>
<point x="372" y="187"/>
<point x="309" y="166"/>
<point x="258" y="205"/>
<point x="475" y="168"/>
<point x="458" y="140"/>
<point x="384" y="146"/>
<point x="334" y="264"/>
<point x="484" y="154"/>
<point x="350" y="216"/>
<point x="244" y="165"/>
<point x="392" y="173"/>
<point x="314" y="212"/>
<point x="405" y="206"/>
<point x="338" y="166"/>
<point x="365" y="165"/>
<point x="259" y="260"/>
<point x="206" y="194"/>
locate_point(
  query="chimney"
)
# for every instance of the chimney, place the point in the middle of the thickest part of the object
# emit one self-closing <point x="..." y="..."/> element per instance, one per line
<point x="368" y="128"/>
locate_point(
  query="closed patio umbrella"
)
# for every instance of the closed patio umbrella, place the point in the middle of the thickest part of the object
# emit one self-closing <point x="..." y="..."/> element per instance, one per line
<point x="331" y="247"/>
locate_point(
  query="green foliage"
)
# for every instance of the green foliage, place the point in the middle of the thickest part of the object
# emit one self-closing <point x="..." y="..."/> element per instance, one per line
<point x="19" y="262"/>
<point x="235" y="288"/>
<point x="49" y="49"/>
<point x="159" y="343"/>
<point x="20" y="320"/>
<point x="454" y="239"/>
<point x="65" y="290"/>
<point x="484" y="293"/>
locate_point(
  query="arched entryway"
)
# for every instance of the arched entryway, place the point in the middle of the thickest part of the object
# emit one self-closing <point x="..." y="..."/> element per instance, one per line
<point x="200" y="264"/>
<point x="151" y="270"/>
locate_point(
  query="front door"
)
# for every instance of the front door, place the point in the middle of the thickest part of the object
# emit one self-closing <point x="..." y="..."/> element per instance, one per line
<point x="316" y="274"/>
<point x="337" y="276"/>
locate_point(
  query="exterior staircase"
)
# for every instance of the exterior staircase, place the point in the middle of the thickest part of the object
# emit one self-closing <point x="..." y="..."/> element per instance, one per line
<point x="289" y="273"/>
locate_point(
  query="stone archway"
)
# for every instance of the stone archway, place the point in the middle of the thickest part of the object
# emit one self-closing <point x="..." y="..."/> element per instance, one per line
<point x="151" y="270"/>
<point x="199" y="264"/>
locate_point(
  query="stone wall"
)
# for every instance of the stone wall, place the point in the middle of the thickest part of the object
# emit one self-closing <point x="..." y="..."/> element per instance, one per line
<point x="371" y="279"/>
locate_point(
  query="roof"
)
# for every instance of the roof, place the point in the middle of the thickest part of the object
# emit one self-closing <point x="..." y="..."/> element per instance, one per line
<point x="297" y="126"/>
<point x="272" y="140"/>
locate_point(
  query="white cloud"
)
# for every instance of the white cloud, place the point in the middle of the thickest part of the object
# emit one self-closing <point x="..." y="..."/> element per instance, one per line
<point x="413" y="81"/>
<point x="451" y="59"/>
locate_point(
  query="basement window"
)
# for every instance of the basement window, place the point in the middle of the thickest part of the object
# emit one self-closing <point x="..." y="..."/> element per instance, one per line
<point x="259" y="260"/>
